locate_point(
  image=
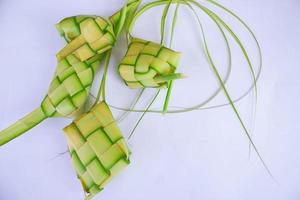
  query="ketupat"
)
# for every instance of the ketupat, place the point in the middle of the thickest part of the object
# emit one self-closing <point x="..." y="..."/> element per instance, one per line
<point x="97" y="147"/>
<point x="88" y="36"/>
<point x="148" y="64"/>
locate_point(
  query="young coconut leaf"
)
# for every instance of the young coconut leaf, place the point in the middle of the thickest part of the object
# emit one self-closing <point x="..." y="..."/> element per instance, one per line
<point x="148" y="64"/>
<point x="97" y="147"/>
<point x="118" y="19"/>
<point x="162" y="29"/>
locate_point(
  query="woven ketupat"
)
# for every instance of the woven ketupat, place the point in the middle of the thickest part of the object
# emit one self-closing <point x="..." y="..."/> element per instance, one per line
<point x="70" y="87"/>
<point x="148" y="64"/>
<point x="89" y="38"/>
<point x="97" y="148"/>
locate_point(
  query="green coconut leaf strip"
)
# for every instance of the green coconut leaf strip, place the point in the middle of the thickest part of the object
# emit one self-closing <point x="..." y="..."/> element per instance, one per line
<point x="253" y="85"/>
<point x="174" y="21"/>
<point x="134" y="4"/>
<point x="141" y="11"/>
<point x="231" y="102"/>
<point x="257" y="76"/>
<point x="121" y="21"/>
<point x="101" y="92"/>
<point x="260" y="55"/>
<point x="239" y="118"/>
<point x="123" y="16"/>
<point x="253" y="116"/>
<point x="200" y="106"/>
<point x="163" y="21"/>
<point x="171" y="77"/>
<point x="252" y="35"/>
<point x="209" y="12"/>
<point x="89" y="37"/>
<point x="241" y="46"/>
<point x="144" y="113"/>
<point x="132" y="106"/>
<point x="23" y="125"/>
<point x="238" y="42"/>
<point x="170" y="86"/>
<point x="167" y="98"/>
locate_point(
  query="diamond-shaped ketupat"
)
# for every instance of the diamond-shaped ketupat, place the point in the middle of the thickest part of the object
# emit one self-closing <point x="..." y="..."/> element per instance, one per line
<point x="97" y="148"/>
<point x="77" y="63"/>
<point x="91" y="35"/>
<point x="148" y="64"/>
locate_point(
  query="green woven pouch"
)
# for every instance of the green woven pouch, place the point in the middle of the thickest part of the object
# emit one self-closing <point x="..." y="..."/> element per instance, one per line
<point x="97" y="148"/>
<point x="148" y="64"/>
<point x="89" y="38"/>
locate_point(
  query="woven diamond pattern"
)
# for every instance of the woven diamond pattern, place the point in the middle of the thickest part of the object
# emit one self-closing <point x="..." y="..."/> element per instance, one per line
<point x="89" y="37"/>
<point x="145" y="62"/>
<point x="97" y="148"/>
<point x="69" y="87"/>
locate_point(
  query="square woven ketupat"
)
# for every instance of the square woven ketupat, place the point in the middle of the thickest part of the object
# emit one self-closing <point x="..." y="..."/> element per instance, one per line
<point x="97" y="148"/>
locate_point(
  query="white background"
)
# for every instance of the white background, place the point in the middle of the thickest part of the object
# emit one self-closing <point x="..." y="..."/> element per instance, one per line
<point x="192" y="156"/>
